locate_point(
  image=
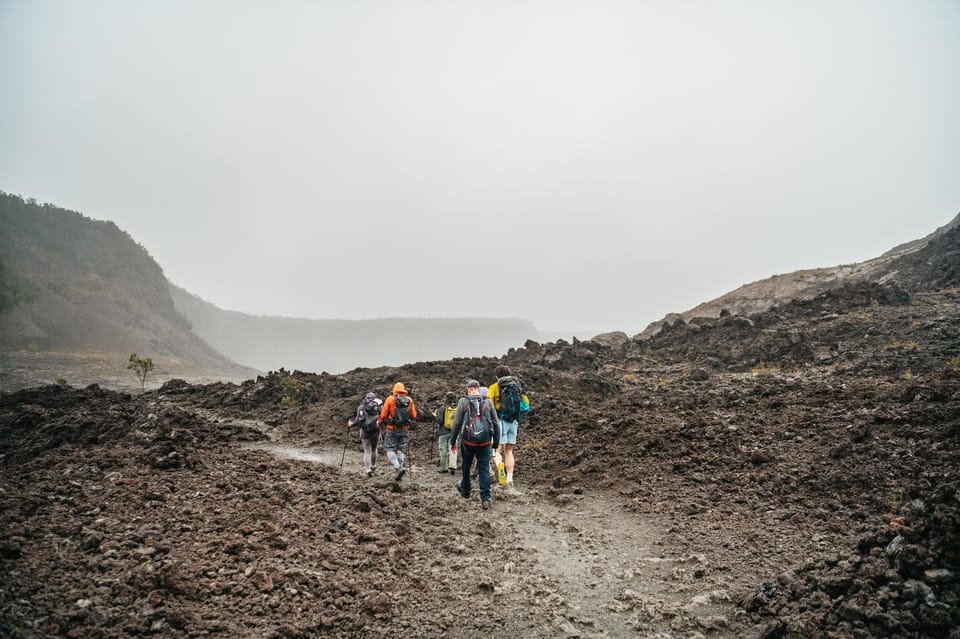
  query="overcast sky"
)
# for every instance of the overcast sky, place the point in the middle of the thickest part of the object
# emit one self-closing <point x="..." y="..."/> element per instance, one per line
<point x="617" y="160"/>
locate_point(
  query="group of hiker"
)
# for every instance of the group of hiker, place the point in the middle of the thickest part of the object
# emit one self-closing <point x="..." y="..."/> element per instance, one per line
<point x="475" y="428"/>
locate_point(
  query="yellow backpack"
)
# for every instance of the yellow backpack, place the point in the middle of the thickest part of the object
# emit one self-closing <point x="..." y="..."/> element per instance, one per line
<point x="448" y="414"/>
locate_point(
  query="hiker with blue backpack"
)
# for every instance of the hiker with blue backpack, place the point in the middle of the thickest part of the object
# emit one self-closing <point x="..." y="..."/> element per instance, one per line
<point x="397" y="413"/>
<point x="511" y="403"/>
<point x="368" y="414"/>
<point x="475" y="426"/>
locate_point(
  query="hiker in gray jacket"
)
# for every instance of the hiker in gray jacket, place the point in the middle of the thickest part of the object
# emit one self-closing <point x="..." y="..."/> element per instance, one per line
<point x="477" y="426"/>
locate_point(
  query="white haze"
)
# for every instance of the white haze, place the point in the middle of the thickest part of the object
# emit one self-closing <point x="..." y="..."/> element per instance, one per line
<point x="619" y="160"/>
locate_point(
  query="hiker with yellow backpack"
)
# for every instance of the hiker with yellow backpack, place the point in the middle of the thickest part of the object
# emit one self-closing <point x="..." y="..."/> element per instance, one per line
<point x="444" y="418"/>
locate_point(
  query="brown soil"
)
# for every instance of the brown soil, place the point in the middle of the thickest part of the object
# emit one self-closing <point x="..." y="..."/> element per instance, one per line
<point x="789" y="474"/>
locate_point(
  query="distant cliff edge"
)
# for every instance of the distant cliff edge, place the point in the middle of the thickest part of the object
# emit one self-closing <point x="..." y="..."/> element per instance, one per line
<point x="337" y="345"/>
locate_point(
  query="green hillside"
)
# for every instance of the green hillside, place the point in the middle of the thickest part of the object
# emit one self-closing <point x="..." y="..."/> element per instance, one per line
<point x="74" y="287"/>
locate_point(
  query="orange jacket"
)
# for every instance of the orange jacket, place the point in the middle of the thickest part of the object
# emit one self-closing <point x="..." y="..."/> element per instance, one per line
<point x="390" y="406"/>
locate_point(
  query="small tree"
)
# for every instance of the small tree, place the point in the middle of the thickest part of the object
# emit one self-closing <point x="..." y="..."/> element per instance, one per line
<point x="291" y="391"/>
<point x="140" y="366"/>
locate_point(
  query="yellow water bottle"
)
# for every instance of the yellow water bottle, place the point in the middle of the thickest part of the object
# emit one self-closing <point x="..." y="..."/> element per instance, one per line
<point x="501" y="474"/>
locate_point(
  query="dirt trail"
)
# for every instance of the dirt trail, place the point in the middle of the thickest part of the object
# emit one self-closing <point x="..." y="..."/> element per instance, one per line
<point x="597" y="569"/>
<point x="617" y="576"/>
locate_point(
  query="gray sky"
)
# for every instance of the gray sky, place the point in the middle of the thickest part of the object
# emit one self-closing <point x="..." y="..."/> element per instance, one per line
<point x="621" y="159"/>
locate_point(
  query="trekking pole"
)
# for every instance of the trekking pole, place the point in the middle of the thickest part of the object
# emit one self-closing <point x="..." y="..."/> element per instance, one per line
<point x="346" y="440"/>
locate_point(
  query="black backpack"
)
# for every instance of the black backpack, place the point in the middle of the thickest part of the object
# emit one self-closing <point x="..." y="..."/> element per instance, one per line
<point x="480" y="424"/>
<point x="510" y="395"/>
<point x="401" y="410"/>
<point x="370" y="414"/>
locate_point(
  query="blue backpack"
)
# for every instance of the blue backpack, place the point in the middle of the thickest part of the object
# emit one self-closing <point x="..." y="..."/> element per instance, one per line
<point x="511" y="395"/>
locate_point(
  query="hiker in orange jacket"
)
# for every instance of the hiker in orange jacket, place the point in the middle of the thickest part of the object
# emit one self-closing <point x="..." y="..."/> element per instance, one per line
<point x="397" y="413"/>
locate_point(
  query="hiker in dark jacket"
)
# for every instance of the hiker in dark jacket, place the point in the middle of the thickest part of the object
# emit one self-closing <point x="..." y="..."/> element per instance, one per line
<point x="368" y="413"/>
<point x="444" y="418"/>
<point x="471" y="411"/>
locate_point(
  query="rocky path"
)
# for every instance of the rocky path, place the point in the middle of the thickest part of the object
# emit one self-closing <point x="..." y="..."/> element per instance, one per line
<point x="579" y="565"/>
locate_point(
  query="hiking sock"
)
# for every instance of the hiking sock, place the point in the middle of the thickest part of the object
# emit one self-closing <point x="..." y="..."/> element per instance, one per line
<point x="509" y="478"/>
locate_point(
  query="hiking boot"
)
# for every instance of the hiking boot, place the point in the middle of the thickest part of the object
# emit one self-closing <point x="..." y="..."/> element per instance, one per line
<point x="441" y="470"/>
<point x="486" y="504"/>
<point x="460" y="490"/>
<point x="400" y="474"/>
<point x="369" y="473"/>
<point x="510" y="489"/>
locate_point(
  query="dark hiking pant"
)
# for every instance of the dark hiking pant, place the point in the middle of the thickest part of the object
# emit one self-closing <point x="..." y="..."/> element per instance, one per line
<point x="482" y="456"/>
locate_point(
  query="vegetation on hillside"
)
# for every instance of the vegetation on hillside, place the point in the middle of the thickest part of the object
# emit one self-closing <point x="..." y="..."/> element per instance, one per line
<point x="11" y="291"/>
<point x="68" y="244"/>
<point x="70" y="284"/>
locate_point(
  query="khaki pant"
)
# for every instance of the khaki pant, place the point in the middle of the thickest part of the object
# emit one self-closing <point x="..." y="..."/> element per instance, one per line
<point x="448" y="458"/>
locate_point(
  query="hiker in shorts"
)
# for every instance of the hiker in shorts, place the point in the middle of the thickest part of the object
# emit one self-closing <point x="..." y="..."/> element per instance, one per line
<point x="511" y="402"/>
<point x="444" y="419"/>
<point x="367" y="418"/>
<point x="475" y="426"/>
<point x="397" y="413"/>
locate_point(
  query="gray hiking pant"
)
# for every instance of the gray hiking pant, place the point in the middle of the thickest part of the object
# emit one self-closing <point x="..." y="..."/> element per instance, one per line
<point x="369" y="453"/>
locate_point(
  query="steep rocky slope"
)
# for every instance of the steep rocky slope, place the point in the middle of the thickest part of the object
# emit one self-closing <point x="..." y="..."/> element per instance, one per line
<point x="905" y="265"/>
<point x="77" y="296"/>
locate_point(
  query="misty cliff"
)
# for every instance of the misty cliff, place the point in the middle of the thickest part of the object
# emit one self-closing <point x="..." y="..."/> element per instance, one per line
<point x="334" y="345"/>
<point x="83" y="293"/>
<point x="929" y="263"/>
